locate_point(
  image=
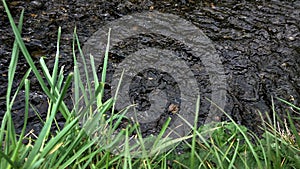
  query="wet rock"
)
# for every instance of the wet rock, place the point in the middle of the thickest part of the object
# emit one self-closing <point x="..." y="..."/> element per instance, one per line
<point x="36" y="4"/>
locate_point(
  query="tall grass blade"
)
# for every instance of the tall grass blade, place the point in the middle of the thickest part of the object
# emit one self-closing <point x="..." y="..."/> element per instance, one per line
<point x="231" y="164"/>
<point x="76" y="76"/>
<point x="55" y="68"/>
<point x="17" y="149"/>
<point x="288" y="103"/>
<point x="192" y="162"/>
<point x="103" y="78"/>
<point x="86" y="72"/>
<point x="96" y="80"/>
<point x="7" y="119"/>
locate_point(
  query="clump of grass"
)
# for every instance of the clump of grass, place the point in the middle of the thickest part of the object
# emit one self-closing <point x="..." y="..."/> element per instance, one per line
<point x="228" y="145"/>
<point x="231" y="145"/>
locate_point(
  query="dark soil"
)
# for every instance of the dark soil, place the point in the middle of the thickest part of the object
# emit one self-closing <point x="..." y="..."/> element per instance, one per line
<point x="258" y="43"/>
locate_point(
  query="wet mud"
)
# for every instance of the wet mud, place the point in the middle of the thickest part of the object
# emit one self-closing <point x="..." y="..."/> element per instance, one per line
<point x="258" y="43"/>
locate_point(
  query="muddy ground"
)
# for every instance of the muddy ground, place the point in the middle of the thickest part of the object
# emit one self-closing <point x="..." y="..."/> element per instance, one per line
<point x="258" y="43"/>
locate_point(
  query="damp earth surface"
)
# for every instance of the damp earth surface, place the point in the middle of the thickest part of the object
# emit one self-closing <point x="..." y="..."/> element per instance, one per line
<point x="258" y="43"/>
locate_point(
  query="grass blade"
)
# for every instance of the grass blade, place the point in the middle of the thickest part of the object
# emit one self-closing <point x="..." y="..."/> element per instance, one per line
<point x="55" y="68"/>
<point x="103" y="77"/>
<point x="7" y="120"/>
<point x="194" y="134"/>
<point x="16" y="150"/>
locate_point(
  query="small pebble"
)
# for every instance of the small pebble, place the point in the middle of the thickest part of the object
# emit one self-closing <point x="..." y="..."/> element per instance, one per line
<point x="291" y="38"/>
<point x="36" y="4"/>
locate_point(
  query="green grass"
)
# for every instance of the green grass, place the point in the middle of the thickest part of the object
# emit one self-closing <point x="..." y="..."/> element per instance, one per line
<point x="221" y="145"/>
